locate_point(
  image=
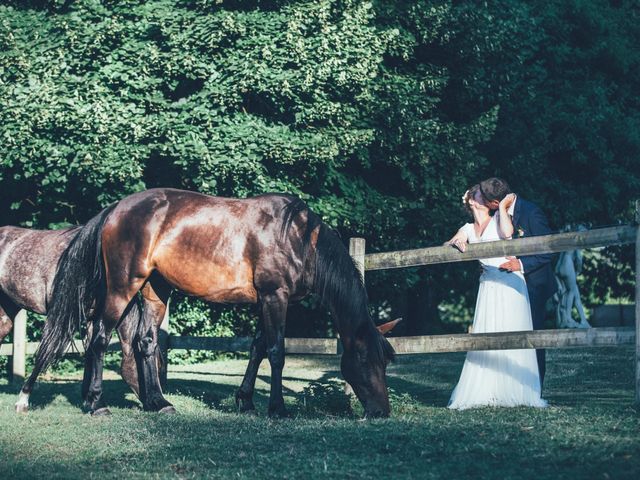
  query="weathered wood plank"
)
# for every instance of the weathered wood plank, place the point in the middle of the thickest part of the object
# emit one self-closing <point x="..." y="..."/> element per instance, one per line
<point x="311" y="346"/>
<point x="221" y="344"/>
<point x="558" y="242"/>
<point x="19" y="368"/>
<point x="77" y="346"/>
<point x="357" y="247"/>
<point x="356" y="250"/>
<point x="315" y="346"/>
<point x="32" y="347"/>
<point x="590" y="337"/>
<point x="436" y="343"/>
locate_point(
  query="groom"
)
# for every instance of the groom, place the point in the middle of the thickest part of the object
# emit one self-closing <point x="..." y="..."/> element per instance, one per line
<point x="528" y="221"/>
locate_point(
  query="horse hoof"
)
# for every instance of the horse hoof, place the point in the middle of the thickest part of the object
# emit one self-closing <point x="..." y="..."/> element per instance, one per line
<point x="250" y="412"/>
<point x="101" y="412"/>
<point x="245" y="405"/>
<point x="278" y="413"/>
<point x="22" y="408"/>
<point x="169" y="410"/>
<point x="247" y="408"/>
<point x="279" y="416"/>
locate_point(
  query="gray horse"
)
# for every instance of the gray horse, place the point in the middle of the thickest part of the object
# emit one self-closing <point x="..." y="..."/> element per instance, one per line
<point x="28" y="263"/>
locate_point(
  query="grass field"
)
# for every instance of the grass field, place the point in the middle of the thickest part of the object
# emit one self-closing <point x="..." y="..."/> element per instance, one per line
<point x="591" y="430"/>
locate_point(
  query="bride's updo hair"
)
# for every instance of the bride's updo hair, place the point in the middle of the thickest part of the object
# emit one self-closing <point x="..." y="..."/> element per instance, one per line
<point x="468" y="195"/>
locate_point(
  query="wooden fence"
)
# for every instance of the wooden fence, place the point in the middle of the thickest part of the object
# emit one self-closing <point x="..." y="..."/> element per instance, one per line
<point x="592" y="337"/>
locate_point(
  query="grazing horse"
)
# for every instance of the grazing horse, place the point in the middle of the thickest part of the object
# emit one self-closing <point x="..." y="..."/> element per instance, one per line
<point x="270" y="249"/>
<point x="28" y="262"/>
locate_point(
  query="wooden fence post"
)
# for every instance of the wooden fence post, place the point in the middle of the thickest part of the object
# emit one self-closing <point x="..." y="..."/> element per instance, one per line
<point x="163" y="345"/>
<point x="20" y="347"/>
<point x="356" y="250"/>
<point x="637" y="219"/>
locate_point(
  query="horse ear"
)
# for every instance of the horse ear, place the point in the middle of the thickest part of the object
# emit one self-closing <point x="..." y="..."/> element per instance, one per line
<point x="387" y="327"/>
<point x="314" y="236"/>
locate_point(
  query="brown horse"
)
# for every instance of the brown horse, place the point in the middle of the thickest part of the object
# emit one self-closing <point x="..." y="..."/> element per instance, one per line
<point x="271" y="249"/>
<point x="28" y="262"/>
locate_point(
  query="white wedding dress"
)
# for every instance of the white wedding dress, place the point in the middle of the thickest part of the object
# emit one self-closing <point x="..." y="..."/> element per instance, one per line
<point x="504" y="378"/>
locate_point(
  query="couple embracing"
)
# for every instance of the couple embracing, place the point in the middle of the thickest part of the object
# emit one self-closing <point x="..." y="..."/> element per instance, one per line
<point x="512" y="296"/>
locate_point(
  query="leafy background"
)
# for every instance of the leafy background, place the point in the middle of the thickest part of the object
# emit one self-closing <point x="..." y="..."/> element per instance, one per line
<point x="379" y="114"/>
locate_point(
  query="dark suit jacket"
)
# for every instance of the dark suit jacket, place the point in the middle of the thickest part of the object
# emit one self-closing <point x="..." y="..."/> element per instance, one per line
<point x="538" y="271"/>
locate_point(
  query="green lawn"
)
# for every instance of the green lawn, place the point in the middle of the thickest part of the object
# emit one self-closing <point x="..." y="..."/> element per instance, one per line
<point x="591" y="430"/>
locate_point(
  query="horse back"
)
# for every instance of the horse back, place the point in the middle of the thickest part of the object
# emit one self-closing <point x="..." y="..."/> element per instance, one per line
<point x="218" y="249"/>
<point x="28" y="262"/>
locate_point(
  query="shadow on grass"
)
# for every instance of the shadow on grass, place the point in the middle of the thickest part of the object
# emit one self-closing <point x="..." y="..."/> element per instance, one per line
<point x="597" y="441"/>
<point x="406" y="379"/>
<point x="324" y="397"/>
<point x="115" y="393"/>
<point x="216" y="396"/>
<point x="484" y="444"/>
<point x="45" y="393"/>
<point x="415" y="383"/>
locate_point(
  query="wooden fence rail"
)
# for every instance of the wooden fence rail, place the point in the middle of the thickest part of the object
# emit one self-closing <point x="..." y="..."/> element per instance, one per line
<point x="557" y="242"/>
<point x="591" y="337"/>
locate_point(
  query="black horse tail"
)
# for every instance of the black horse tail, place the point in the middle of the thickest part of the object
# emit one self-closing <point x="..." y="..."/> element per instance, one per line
<point x="78" y="290"/>
<point x="339" y="284"/>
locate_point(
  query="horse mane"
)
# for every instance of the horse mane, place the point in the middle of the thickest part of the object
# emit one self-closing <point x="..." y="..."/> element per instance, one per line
<point x="294" y="207"/>
<point x="338" y="283"/>
<point x="340" y="286"/>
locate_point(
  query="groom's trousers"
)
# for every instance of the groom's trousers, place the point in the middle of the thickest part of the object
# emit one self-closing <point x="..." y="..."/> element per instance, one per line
<point x="538" y="299"/>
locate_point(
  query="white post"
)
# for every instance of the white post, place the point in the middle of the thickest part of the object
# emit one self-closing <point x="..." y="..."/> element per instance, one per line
<point x="20" y="346"/>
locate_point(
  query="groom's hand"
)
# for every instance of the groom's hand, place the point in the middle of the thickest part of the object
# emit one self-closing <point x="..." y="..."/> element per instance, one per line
<point x="511" y="265"/>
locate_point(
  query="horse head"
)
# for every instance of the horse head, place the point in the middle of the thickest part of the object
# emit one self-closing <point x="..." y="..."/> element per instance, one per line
<point x="364" y="363"/>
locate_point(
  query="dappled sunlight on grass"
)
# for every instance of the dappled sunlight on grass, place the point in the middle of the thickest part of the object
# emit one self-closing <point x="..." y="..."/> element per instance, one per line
<point x="591" y="430"/>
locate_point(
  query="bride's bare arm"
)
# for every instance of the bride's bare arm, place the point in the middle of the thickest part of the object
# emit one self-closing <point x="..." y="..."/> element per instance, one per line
<point x="505" y="226"/>
<point x="459" y="240"/>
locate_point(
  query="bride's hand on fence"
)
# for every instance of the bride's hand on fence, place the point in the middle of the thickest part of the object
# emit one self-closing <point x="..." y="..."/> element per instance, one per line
<point x="458" y="242"/>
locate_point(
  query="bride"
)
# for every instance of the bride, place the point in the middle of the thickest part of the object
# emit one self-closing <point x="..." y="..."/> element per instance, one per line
<point x="506" y="378"/>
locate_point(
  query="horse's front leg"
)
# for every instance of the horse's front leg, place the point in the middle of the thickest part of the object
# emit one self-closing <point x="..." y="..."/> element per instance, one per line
<point x="155" y="295"/>
<point x="257" y="353"/>
<point x="145" y="347"/>
<point x="274" y="313"/>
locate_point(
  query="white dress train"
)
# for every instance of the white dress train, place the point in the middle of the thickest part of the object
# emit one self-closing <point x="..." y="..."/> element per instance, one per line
<point x="504" y="378"/>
